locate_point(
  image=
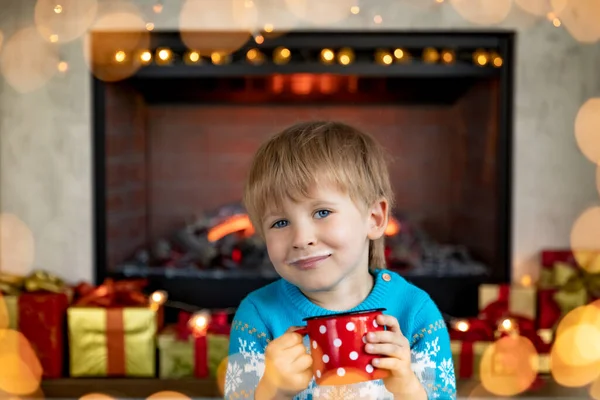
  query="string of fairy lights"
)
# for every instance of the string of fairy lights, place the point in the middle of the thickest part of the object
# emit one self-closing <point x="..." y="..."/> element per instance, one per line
<point x="164" y="56"/>
<point x="282" y="55"/>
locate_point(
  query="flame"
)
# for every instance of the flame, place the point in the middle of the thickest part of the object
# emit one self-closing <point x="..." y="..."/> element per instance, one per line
<point x="392" y="228"/>
<point x="237" y="223"/>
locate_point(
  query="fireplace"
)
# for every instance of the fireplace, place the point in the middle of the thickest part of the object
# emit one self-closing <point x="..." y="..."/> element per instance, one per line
<point x="174" y="137"/>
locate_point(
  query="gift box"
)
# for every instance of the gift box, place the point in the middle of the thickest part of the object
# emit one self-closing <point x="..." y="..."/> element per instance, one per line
<point x="517" y="300"/>
<point x="467" y="357"/>
<point x="179" y="359"/>
<point x="112" y="331"/>
<point x="186" y="351"/>
<point x="565" y="284"/>
<point x="470" y="338"/>
<point x="37" y="309"/>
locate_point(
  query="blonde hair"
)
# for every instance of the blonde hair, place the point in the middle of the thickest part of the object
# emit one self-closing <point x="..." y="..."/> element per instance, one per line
<point x="288" y="164"/>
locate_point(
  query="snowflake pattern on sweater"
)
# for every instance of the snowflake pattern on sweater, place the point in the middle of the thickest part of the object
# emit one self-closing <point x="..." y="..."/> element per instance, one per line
<point x="264" y="315"/>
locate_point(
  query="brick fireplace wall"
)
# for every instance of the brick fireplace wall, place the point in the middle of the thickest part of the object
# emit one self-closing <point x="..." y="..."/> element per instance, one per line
<point x="126" y="172"/>
<point x="171" y="162"/>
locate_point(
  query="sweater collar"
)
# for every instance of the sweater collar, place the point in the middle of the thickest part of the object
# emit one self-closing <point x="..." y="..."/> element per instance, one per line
<point x="375" y="299"/>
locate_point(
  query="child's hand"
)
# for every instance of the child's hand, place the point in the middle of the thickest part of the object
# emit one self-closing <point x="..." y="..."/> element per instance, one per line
<point x="288" y="368"/>
<point x="402" y="381"/>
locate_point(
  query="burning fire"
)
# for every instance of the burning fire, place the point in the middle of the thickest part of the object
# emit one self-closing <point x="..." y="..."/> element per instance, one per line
<point x="237" y="223"/>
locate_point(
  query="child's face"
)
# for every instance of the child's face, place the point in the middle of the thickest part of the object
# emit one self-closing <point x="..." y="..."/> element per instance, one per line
<point x="323" y="240"/>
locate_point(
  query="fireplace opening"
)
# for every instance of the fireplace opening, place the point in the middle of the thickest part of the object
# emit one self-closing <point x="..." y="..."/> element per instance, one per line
<point x="173" y="143"/>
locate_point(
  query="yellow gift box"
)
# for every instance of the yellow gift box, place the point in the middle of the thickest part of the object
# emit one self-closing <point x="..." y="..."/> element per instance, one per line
<point x="112" y="341"/>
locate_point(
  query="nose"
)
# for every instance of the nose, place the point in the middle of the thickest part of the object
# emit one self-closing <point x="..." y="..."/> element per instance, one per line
<point x="304" y="236"/>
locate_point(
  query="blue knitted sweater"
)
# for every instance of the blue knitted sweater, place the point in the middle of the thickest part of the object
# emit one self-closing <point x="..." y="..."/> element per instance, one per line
<point x="268" y="312"/>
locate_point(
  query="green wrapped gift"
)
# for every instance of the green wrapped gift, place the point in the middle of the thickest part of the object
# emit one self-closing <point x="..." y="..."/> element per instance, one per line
<point x="177" y="357"/>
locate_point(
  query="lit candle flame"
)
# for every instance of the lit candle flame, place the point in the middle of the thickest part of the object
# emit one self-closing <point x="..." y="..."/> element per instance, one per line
<point x="462" y="326"/>
<point x="199" y="321"/>
<point x="159" y="297"/>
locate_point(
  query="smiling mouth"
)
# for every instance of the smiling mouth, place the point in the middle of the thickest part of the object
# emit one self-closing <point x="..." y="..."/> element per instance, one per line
<point x="309" y="263"/>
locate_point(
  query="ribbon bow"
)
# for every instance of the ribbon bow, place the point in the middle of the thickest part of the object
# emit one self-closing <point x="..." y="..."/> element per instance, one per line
<point x="111" y="293"/>
<point x="36" y="281"/>
<point x="575" y="286"/>
<point x="486" y="326"/>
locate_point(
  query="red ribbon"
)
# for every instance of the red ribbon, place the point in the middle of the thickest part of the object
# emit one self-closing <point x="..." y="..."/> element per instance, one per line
<point x="111" y="293"/>
<point x="466" y="360"/>
<point x="550" y="257"/>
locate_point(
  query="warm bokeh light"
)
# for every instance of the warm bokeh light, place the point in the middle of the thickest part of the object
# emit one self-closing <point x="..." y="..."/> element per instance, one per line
<point x="579" y="345"/>
<point x="585" y="239"/>
<point x="17" y="250"/>
<point x="462" y="326"/>
<point x="569" y="372"/>
<point x="123" y="29"/>
<point x="222" y="15"/>
<point x="27" y="61"/>
<point x="526" y="280"/>
<point x="575" y="356"/>
<point x="199" y="321"/>
<point x="580" y="18"/>
<point x="509" y="366"/>
<point x="68" y="20"/>
<point x="168" y="395"/>
<point x="221" y="374"/>
<point x="587" y="314"/>
<point x="587" y="125"/>
<point x="20" y="369"/>
<point x="281" y="55"/>
<point x="321" y="12"/>
<point x="157" y="8"/>
<point x="536" y="7"/>
<point x="96" y="396"/>
<point x="327" y="56"/>
<point x="483" y="12"/>
<point x="4" y="317"/>
<point x="595" y="389"/>
<point x="159" y="297"/>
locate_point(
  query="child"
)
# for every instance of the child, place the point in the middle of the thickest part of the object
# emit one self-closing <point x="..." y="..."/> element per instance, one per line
<point x="319" y="194"/>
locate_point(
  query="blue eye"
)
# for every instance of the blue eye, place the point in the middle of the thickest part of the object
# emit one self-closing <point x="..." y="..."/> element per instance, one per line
<point x="322" y="213"/>
<point x="282" y="223"/>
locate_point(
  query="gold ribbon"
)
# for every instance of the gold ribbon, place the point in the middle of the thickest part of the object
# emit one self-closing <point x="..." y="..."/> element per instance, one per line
<point x="36" y="281"/>
<point x="575" y="286"/>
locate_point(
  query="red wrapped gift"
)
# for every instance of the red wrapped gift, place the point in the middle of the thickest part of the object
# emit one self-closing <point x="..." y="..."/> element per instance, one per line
<point x="41" y="320"/>
<point x="37" y="307"/>
<point x="471" y="337"/>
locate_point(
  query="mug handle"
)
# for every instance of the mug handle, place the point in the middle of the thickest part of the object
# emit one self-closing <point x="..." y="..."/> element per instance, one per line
<point x="302" y="331"/>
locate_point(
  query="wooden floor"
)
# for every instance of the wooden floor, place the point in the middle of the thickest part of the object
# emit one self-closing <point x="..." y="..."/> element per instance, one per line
<point x="75" y="388"/>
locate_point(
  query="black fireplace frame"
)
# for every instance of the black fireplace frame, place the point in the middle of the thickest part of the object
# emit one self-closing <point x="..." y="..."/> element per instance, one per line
<point x="458" y="296"/>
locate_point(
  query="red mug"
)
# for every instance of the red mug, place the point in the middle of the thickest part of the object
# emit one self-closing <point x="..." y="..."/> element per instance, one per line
<point x="337" y="346"/>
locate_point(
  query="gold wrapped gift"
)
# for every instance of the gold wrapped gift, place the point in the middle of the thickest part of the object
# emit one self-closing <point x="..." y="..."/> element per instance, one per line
<point x="112" y="341"/>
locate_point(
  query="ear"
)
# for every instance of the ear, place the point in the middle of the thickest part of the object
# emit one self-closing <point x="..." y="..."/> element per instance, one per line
<point x="378" y="219"/>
